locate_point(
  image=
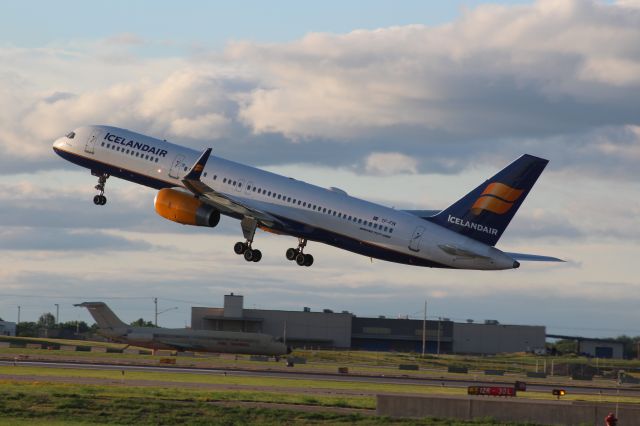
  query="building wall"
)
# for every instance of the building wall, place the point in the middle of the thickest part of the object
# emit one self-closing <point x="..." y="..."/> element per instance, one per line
<point x="311" y="329"/>
<point x="7" y="328"/>
<point x="404" y="335"/>
<point x="497" y="338"/>
<point x="314" y="328"/>
<point x="601" y="349"/>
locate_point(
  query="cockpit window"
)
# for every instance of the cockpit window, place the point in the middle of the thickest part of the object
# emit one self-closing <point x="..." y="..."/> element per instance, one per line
<point x="71" y="135"/>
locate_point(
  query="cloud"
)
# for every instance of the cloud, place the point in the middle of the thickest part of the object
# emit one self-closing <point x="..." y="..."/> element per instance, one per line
<point x="56" y="239"/>
<point x="555" y="77"/>
<point x="390" y="163"/>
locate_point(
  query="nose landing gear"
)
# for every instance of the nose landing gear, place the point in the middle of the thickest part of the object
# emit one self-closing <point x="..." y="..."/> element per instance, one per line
<point x="100" y="199"/>
<point x="298" y="255"/>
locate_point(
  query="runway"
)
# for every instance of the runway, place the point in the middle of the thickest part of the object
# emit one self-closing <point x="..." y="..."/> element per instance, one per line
<point x="334" y="377"/>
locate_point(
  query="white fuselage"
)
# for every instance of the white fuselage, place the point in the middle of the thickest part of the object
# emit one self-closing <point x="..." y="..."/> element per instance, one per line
<point x="326" y="215"/>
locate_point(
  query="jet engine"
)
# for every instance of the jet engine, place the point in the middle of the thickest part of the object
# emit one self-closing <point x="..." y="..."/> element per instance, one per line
<point x="185" y="208"/>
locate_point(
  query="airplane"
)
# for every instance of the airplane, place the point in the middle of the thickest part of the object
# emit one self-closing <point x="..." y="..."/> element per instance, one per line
<point x="197" y="188"/>
<point x="182" y="339"/>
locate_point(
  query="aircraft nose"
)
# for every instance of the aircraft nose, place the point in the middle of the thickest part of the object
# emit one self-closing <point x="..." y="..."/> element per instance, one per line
<point x="59" y="143"/>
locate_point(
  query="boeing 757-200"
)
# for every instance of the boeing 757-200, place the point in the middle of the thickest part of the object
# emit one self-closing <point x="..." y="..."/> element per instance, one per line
<point x="196" y="188"/>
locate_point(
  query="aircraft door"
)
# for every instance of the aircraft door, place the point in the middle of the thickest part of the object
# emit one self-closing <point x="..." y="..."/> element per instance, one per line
<point x="90" y="147"/>
<point x="414" y="244"/>
<point x="177" y="167"/>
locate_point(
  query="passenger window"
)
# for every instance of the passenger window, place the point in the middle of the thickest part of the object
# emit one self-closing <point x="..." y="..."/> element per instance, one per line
<point x="239" y="184"/>
<point x="224" y="180"/>
<point x="215" y="177"/>
<point x="334" y="213"/>
<point x="234" y="183"/>
<point x="71" y="135"/>
<point x="279" y="197"/>
<point x="254" y="189"/>
<point x="289" y="200"/>
<point x="156" y="160"/>
<point x="324" y="210"/>
<point x="390" y="230"/>
<point x="299" y="202"/>
<point x="269" y="194"/>
<point x="304" y="204"/>
<point x="102" y="144"/>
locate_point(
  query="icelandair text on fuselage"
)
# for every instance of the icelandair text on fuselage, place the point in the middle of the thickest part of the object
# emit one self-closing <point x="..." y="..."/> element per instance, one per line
<point x="135" y="145"/>
<point x="472" y="225"/>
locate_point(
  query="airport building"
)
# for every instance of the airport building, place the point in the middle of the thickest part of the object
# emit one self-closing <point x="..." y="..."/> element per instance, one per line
<point x="343" y="330"/>
<point x="601" y="348"/>
<point x="7" y="328"/>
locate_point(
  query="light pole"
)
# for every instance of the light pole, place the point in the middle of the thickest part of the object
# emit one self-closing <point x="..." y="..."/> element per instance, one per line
<point x="424" y="329"/>
<point x="438" y="351"/>
<point x="18" y="314"/>
<point x="57" y="312"/>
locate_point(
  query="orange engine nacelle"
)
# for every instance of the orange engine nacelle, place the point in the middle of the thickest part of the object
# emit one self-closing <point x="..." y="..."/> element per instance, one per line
<point x="185" y="208"/>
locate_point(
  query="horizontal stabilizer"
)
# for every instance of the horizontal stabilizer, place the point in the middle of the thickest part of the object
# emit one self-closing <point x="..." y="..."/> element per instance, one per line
<point x="533" y="257"/>
<point x="423" y="213"/>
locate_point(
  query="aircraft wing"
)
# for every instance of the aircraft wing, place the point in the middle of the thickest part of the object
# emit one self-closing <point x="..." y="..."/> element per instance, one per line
<point x="533" y="257"/>
<point x="223" y="202"/>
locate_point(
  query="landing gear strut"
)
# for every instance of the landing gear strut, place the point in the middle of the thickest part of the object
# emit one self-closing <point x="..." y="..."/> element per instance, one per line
<point x="249" y="226"/>
<point x="100" y="199"/>
<point x="298" y="255"/>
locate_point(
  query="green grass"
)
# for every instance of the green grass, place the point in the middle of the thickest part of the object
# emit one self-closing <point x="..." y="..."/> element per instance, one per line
<point x="80" y="404"/>
<point x="282" y="385"/>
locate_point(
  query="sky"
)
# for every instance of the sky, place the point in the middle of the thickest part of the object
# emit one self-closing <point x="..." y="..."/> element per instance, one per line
<point x="408" y="104"/>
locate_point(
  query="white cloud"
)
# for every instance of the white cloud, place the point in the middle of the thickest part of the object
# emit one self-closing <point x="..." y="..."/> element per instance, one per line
<point x="390" y="163"/>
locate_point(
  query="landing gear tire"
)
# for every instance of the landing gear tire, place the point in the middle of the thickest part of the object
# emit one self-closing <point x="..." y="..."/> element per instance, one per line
<point x="300" y="259"/>
<point x="248" y="255"/>
<point x="240" y="247"/>
<point x="308" y="260"/>
<point x="291" y="253"/>
<point x="99" y="200"/>
<point x="252" y="255"/>
<point x="257" y="255"/>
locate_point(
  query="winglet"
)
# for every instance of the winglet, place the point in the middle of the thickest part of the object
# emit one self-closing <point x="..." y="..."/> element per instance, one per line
<point x="198" y="166"/>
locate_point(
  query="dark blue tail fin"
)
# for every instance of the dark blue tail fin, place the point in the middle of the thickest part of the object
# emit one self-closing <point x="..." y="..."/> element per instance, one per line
<point x="484" y="213"/>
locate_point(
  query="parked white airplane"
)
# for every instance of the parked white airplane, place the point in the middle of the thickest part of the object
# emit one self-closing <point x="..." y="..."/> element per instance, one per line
<point x="196" y="188"/>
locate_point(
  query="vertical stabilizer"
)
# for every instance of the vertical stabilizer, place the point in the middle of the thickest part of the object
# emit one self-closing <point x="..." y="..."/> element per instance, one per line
<point x="484" y="213"/>
<point x="104" y="317"/>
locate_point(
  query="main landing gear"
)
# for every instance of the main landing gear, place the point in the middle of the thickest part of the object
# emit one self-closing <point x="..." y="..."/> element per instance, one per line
<point x="100" y="199"/>
<point x="298" y="255"/>
<point x="250" y="254"/>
